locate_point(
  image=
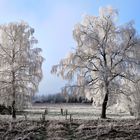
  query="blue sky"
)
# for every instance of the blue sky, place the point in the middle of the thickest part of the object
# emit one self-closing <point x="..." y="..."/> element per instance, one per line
<point x="54" y="20"/>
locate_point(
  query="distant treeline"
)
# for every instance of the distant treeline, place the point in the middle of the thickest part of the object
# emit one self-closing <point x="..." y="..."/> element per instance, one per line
<point x="60" y="98"/>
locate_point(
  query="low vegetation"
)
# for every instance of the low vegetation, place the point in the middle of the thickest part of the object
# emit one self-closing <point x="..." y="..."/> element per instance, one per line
<point x="65" y="130"/>
<point x="60" y="98"/>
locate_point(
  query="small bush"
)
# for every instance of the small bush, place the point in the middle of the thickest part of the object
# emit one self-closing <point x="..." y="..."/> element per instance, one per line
<point x="5" y="110"/>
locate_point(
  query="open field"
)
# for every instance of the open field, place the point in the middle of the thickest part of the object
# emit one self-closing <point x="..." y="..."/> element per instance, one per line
<point x="78" y="111"/>
<point x="85" y="124"/>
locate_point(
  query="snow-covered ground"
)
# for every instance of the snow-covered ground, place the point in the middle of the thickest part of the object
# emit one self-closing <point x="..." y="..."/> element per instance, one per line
<point x="78" y="111"/>
<point x="84" y="126"/>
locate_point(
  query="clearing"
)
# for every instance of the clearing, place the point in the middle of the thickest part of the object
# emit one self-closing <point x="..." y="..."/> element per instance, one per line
<point x="85" y="124"/>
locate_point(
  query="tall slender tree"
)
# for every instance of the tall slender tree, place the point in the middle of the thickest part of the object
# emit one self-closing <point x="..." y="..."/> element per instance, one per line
<point x="20" y="65"/>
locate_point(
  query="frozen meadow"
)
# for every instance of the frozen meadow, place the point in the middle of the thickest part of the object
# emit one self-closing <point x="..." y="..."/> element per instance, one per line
<point x="77" y="111"/>
<point x="85" y="124"/>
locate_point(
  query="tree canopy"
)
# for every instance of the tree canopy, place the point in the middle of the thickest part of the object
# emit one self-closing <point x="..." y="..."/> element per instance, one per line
<point x="103" y="56"/>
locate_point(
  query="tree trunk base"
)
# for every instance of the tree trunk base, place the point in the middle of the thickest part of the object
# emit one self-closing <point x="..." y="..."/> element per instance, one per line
<point x="13" y="110"/>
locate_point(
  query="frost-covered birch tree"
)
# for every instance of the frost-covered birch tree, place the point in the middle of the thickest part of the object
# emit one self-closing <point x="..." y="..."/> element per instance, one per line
<point x="20" y="65"/>
<point x="102" y="56"/>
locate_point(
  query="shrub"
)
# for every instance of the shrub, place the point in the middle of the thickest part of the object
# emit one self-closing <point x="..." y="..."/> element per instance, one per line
<point x="5" y="110"/>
